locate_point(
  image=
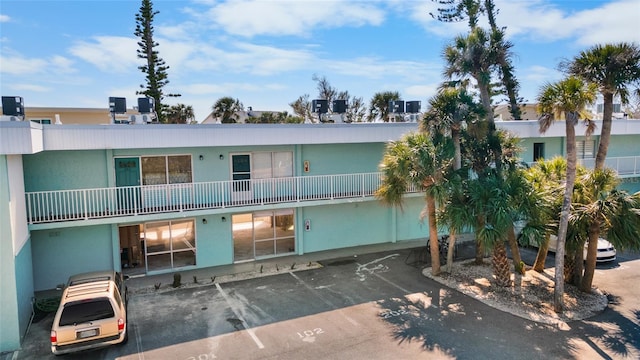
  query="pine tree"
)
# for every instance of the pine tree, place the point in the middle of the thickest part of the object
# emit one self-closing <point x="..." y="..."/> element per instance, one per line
<point x="155" y="69"/>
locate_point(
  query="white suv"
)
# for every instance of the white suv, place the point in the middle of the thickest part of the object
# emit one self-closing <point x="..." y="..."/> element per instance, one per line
<point x="92" y="313"/>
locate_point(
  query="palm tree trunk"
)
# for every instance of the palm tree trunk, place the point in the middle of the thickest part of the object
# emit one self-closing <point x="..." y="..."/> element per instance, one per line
<point x="576" y="278"/>
<point x="450" y="250"/>
<point x="433" y="235"/>
<point x="569" y="267"/>
<point x="518" y="265"/>
<point x="605" y="133"/>
<point x="500" y="264"/>
<point x="541" y="257"/>
<point x="592" y="254"/>
<point x="479" y="248"/>
<point x="455" y="137"/>
<point x="594" y="227"/>
<point x="570" y="122"/>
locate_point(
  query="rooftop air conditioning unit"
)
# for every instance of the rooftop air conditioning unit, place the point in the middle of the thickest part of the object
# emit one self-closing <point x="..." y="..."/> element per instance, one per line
<point x="10" y="118"/>
<point x="12" y="106"/>
<point x="396" y="107"/>
<point x="140" y="119"/>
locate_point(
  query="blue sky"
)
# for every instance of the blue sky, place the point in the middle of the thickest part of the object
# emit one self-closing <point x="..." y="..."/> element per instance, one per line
<point x="79" y="53"/>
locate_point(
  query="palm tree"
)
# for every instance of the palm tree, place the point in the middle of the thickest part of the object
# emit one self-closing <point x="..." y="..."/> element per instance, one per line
<point x="599" y="203"/>
<point x="226" y="109"/>
<point x="472" y="55"/>
<point x="415" y="161"/>
<point x="612" y="67"/>
<point x="493" y="208"/>
<point x="567" y="97"/>
<point x="379" y="106"/>
<point x="180" y="114"/>
<point x="458" y="10"/>
<point x="449" y="112"/>
<point x="547" y="178"/>
<point x="503" y="56"/>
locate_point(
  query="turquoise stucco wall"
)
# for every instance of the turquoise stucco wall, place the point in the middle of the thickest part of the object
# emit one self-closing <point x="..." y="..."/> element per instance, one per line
<point x="408" y="223"/>
<point x="622" y="145"/>
<point x="60" y="253"/>
<point x="54" y="170"/>
<point x="9" y="320"/>
<point x="346" y="225"/>
<point x="214" y="241"/>
<point x="342" y="158"/>
<point x="619" y="146"/>
<point x="361" y="223"/>
<point x="24" y="286"/>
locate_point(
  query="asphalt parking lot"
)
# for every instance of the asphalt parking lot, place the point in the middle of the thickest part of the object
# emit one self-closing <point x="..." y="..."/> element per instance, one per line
<point x="372" y="306"/>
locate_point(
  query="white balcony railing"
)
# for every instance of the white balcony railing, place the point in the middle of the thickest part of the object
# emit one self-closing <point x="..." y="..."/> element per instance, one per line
<point x="627" y="166"/>
<point x="84" y="204"/>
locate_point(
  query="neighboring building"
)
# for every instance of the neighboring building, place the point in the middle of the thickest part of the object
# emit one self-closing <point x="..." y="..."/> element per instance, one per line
<point x="529" y="112"/>
<point x="152" y="198"/>
<point x="74" y="116"/>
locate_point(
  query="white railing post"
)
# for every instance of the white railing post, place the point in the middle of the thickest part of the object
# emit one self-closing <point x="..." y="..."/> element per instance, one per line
<point x="84" y="201"/>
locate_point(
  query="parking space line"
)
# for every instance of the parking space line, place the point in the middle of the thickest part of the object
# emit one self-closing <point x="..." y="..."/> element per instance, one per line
<point x="329" y="303"/>
<point x="312" y="289"/>
<point x="238" y="315"/>
<point x="138" y="338"/>
<point x="391" y="283"/>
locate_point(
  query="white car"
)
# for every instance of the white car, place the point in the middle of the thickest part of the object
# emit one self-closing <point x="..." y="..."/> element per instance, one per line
<point x="92" y="313"/>
<point x="606" y="250"/>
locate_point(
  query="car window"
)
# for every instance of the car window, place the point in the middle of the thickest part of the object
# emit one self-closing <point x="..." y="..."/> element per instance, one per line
<point x="79" y="312"/>
<point x="116" y="295"/>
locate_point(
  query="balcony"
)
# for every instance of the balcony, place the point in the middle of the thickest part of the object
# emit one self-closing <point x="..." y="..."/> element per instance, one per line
<point x="85" y="204"/>
<point x="628" y="166"/>
<point x="625" y="167"/>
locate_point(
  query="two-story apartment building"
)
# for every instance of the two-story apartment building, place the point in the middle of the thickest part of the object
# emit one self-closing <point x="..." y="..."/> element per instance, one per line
<point x="161" y="198"/>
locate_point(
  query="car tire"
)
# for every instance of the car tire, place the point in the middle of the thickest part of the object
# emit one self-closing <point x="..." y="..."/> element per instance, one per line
<point x="126" y="338"/>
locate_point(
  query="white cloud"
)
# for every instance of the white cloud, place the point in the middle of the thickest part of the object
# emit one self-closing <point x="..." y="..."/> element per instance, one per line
<point x="18" y="65"/>
<point x="4" y="18"/>
<point x="372" y="68"/>
<point x="30" y="87"/>
<point x="255" y="17"/>
<point x="542" y="21"/>
<point x="109" y="53"/>
<point x="247" y="58"/>
<point x="539" y="74"/>
<point x="421" y="92"/>
<point x="612" y="23"/>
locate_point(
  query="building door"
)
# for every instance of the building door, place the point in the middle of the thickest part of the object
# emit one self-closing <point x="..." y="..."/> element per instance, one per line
<point x="132" y="259"/>
<point x="241" y="176"/>
<point x="128" y="179"/>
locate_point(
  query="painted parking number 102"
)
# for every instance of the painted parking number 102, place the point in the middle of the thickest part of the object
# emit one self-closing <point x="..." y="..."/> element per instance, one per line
<point x="308" y="333"/>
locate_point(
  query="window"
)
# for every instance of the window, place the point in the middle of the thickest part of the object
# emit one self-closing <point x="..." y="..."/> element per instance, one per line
<point x="157" y="170"/>
<point x="272" y="164"/>
<point x="80" y="312"/>
<point x="170" y="244"/>
<point x="42" y="121"/>
<point x="616" y="108"/>
<point x="585" y="149"/>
